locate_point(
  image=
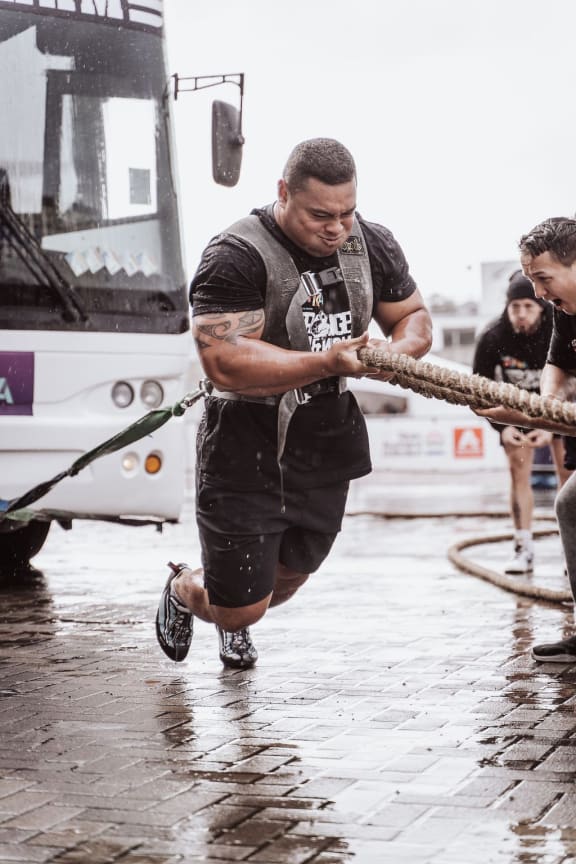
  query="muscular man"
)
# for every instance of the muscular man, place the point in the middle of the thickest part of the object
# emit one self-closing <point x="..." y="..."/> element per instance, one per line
<point x="281" y="304"/>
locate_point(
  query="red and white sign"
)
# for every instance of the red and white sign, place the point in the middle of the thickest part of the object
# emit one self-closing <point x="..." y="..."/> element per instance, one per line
<point x="468" y="442"/>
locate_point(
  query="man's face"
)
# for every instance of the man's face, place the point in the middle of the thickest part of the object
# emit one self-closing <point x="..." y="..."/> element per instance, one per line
<point x="318" y="217"/>
<point x="524" y="315"/>
<point x="552" y="280"/>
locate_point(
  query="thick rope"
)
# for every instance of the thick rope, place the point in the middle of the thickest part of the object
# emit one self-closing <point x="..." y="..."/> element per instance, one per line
<point x="508" y="583"/>
<point x="459" y="388"/>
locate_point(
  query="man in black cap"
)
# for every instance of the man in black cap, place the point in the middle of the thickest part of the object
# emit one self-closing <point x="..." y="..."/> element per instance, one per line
<point x="513" y="349"/>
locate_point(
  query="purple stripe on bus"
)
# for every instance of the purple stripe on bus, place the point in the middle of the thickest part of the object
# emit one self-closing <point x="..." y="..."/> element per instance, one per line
<point x="16" y="382"/>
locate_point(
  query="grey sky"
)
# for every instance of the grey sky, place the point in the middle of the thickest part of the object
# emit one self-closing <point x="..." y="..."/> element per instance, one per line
<point x="459" y="114"/>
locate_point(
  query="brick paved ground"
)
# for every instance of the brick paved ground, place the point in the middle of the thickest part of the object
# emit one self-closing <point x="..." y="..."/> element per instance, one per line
<point x="394" y="715"/>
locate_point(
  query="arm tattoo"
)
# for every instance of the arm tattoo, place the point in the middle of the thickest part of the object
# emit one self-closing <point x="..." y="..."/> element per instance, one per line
<point x="227" y="328"/>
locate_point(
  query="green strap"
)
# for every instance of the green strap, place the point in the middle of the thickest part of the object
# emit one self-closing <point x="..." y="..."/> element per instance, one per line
<point x="142" y="427"/>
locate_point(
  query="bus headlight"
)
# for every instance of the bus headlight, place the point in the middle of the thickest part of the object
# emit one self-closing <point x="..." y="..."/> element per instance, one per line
<point x="130" y="462"/>
<point x="122" y="394"/>
<point x="153" y="463"/>
<point x="151" y="394"/>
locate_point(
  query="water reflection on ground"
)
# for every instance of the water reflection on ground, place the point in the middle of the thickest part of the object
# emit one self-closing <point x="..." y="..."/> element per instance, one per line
<point x="394" y="714"/>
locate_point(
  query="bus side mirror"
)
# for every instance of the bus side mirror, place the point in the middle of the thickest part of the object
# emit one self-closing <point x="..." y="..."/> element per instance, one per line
<point x="227" y="143"/>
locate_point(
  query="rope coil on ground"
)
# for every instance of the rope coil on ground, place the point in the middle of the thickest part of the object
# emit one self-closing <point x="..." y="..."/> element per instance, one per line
<point x="508" y="583"/>
<point x="459" y="388"/>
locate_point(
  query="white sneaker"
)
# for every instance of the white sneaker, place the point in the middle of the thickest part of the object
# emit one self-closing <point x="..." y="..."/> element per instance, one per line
<point x="522" y="562"/>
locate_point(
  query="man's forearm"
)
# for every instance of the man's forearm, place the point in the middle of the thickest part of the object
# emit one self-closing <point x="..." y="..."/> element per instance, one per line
<point x="555" y="382"/>
<point x="262" y="369"/>
<point x="257" y="368"/>
<point x="412" y="335"/>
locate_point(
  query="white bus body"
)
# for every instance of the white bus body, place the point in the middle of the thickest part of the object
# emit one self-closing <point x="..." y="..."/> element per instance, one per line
<point x="73" y="412"/>
<point x="94" y="317"/>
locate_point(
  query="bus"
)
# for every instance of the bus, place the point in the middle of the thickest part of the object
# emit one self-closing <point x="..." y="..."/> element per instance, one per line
<point x="94" y="315"/>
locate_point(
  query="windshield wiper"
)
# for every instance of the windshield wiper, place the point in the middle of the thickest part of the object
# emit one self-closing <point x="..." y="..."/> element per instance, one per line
<point x="30" y="252"/>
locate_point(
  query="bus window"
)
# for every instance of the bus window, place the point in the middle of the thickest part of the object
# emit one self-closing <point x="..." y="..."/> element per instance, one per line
<point x="87" y="179"/>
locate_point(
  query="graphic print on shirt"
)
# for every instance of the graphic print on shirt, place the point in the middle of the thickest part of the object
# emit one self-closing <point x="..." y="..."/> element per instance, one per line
<point x="514" y="371"/>
<point x="325" y="321"/>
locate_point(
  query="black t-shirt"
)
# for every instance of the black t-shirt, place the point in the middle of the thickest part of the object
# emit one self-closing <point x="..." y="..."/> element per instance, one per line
<point x="327" y="440"/>
<point x="562" y="351"/>
<point x="513" y="358"/>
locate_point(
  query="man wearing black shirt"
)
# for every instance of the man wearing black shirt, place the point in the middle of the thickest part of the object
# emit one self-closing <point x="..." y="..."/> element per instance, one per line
<point x="281" y="303"/>
<point x="548" y="257"/>
<point x="513" y="349"/>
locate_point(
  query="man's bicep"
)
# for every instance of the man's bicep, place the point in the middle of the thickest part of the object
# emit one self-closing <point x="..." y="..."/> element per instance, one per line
<point x="220" y="330"/>
<point x="388" y="314"/>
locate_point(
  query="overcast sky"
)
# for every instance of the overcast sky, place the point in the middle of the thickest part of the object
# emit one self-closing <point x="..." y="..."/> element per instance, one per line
<point x="459" y="113"/>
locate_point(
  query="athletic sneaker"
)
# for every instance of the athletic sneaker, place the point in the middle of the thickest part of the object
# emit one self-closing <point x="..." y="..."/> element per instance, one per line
<point x="563" y="651"/>
<point x="174" y="621"/>
<point x="522" y="562"/>
<point x="237" y="651"/>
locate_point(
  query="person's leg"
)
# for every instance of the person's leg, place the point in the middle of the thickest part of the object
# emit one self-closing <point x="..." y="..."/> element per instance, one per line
<point x="564" y="651"/>
<point x="233" y="587"/>
<point x="184" y="596"/>
<point x="286" y="584"/>
<point x="244" y="574"/>
<point x="558" y="453"/>
<point x="190" y="589"/>
<point x="565" y="508"/>
<point x="520" y="460"/>
<point x="232" y="591"/>
<point x="307" y="543"/>
<point x="235" y="646"/>
<point x="558" y="450"/>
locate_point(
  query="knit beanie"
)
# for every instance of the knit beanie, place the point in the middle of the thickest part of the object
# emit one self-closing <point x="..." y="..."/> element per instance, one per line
<point x="521" y="288"/>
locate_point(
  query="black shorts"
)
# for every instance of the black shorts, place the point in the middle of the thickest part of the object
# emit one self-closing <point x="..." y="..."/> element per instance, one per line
<point x="244" y="535"/>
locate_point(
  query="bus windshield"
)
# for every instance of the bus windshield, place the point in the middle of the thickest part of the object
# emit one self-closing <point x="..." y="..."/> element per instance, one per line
<point x="88" y="211"/>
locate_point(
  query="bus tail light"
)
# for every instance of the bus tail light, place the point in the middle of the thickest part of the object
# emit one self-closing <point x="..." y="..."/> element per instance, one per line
<point x="153" y="463"/>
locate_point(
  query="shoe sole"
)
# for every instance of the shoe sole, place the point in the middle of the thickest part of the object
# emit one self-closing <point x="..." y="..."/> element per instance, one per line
<point x="557" y="658"/>
<point x="237" y="664"/>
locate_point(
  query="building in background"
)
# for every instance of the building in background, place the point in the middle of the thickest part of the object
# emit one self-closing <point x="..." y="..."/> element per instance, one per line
<point x="457" y="325"/>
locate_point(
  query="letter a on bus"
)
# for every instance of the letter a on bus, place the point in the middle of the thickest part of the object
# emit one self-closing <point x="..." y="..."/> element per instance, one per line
<point x="5" y="394"/>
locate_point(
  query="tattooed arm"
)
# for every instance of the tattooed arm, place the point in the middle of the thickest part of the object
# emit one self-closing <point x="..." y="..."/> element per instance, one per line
<point x="234" y="357"/>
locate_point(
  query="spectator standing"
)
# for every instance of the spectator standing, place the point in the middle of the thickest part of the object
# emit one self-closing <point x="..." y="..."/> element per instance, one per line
<point x="513" y="349"/>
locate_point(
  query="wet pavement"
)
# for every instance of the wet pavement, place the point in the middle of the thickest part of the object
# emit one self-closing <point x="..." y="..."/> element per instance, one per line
<point x="394" y="714"/>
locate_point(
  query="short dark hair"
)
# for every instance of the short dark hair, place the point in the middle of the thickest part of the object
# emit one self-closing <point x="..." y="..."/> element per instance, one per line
<point x="556" y="235"/>
<point x="322" y="158"/>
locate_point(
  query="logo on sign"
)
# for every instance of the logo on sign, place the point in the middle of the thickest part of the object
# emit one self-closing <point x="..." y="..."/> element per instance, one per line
<point x="5" y="394"/>
<point x="468" y="442"/>
<point x="16" y="382"/>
